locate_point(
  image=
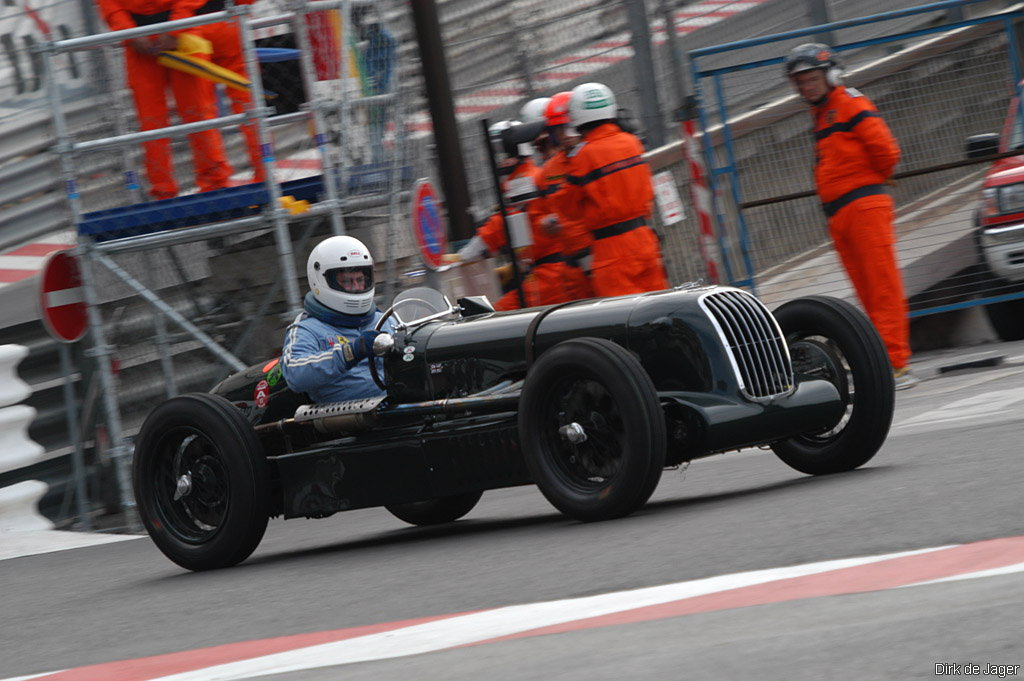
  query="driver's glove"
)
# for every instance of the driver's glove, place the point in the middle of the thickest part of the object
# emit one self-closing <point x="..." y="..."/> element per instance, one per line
<point x="358" y="350"/>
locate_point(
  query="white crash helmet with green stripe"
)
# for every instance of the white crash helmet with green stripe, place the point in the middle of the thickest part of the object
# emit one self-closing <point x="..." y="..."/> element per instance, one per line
<point x="592" y="102"/>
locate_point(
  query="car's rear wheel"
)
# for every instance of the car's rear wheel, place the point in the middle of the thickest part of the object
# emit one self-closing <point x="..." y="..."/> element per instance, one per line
<point x="591" y="429"/>
<point x="831" y="339"/>
<point x="201" y="481"/>
<point x="436" y="511"/>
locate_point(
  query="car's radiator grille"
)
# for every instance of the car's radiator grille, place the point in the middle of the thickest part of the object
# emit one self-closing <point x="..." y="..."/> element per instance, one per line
<point x="754" y="342"/>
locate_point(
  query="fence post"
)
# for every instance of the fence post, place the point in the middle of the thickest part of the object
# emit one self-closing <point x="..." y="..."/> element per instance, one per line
<point x="643" y="65"/>
<point x="820" y="12"/>
<point x="18" y="502"/>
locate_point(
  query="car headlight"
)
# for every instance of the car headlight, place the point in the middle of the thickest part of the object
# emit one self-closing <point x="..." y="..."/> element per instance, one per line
<point x="1003" y="200"/>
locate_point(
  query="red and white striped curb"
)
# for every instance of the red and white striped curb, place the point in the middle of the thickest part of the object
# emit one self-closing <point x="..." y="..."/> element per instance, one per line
<point x="600" y="55"/>
<point x="417" y="636"/>
<point x="24" y="261"/>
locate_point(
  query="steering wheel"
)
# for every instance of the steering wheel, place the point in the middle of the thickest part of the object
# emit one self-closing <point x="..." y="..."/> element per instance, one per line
<point x="430" y="308"/>
<point x="390" y="312"/>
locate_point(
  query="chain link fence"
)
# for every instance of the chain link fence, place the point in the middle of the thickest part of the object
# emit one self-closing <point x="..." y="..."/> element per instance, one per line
<point x="935" y="86"/>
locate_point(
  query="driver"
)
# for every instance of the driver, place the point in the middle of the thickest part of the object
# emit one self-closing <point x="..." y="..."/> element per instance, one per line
<point x="325" y="346"/>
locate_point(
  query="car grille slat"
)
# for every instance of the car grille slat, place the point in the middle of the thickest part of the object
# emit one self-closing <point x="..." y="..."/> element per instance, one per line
<point x="754" y="342"/>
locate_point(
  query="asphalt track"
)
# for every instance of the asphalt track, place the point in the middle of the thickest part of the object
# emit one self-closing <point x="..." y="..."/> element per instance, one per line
<point x="739" y="568"/>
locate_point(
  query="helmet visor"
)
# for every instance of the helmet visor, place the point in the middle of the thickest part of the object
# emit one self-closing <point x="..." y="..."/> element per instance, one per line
<point x="350" y="279"/>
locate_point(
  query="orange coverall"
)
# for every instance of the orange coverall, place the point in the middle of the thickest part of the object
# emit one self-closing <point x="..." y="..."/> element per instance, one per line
<point x="149" y="80"/>
<point x="609" y="189"/>
<point x="573" y="235"/>
<point x="227" y="52"/>
<point x="856" y="154"/>
<point x="545" y="282"/>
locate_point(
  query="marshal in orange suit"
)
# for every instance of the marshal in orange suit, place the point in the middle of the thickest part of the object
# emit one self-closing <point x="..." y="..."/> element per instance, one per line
<point x="149" y="82"/>
<point x="608" y="188"/>
<point x="855" y="155"/>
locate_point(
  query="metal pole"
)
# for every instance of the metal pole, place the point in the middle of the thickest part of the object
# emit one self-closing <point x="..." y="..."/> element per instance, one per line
<point x="643" y="66"/>
<point x="258" y="115"/>
<point x="399" y="156"/>
<point x="519" y="283"/>
<point x="675" y="57"/>
<point x="442" y="113"/>
<point x="135" y="194"/>
<point x="77" y="460"/>
<point x="819" y="12"/>
<point x="101" y="350"/>
<point x="523" y="57"/>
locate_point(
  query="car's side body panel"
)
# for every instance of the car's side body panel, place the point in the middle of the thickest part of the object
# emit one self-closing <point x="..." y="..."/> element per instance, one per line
<point x="415" y="464"/>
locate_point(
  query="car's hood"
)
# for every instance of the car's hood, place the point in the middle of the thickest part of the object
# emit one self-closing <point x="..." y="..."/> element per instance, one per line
<point x="1005" y="171"/>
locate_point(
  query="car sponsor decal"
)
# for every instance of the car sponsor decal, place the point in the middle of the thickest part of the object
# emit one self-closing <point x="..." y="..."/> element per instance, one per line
<point x="262" y="394"/>
<point x="275" y="375"/>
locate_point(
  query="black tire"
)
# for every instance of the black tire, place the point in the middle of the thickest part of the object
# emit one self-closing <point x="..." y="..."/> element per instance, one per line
<point x="436" y="511"/>
<point x="222" y="516"/>
<point x="832" y="339"/>
<point x="1007" y="319"/>
<point x="603" y="388"/>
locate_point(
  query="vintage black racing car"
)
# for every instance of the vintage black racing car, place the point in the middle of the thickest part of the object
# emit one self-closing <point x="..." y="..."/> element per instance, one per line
<point x="589" y="400"/>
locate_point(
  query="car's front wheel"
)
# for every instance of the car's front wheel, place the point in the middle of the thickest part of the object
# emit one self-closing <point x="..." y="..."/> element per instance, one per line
<point x="831" y="339"/>
<point x="592" y="429"/>
<point x="202" y="483"/>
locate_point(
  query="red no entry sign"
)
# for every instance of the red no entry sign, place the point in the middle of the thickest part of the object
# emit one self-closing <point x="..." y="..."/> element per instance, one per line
<point x="61" y="298"/>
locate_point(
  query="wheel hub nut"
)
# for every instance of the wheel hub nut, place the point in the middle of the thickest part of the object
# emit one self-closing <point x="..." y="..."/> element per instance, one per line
<point x="574" y="433"/>
<point x="183" y="487"/>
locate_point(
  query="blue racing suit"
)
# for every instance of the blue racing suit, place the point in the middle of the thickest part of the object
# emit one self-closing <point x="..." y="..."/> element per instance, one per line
<point x="325" y="353"/>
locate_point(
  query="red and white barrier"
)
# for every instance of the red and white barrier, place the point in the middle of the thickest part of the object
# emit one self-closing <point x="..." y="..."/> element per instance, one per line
<point x="700" y="195"/>
<point x="19" y="502"/>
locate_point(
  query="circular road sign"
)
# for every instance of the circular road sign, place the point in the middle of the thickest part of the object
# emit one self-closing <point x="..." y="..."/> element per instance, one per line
<point x="61" y="298"/>
<point x="428" y="225"/>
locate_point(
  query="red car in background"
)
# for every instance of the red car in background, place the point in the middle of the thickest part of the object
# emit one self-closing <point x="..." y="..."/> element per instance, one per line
<point x="1000" y="223"/>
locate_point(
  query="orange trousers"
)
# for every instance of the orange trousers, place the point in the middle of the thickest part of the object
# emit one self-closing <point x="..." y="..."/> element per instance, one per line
<point x="628" y="263"/>
<point x="227" y="52"/>
<point x="863" y="236"/>
<point x="148" y="81"/>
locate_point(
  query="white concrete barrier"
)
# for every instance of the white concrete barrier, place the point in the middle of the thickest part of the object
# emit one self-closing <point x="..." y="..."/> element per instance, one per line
<point x="12" y="389"/>
<point x="16" y="449"/>
<point x="19" y="503"/>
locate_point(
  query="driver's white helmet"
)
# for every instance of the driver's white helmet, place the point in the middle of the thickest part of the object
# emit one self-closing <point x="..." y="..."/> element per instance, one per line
<point x="591" y="102"/>
<point x="340" y="273"/>
<point x="534" y="109"/>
